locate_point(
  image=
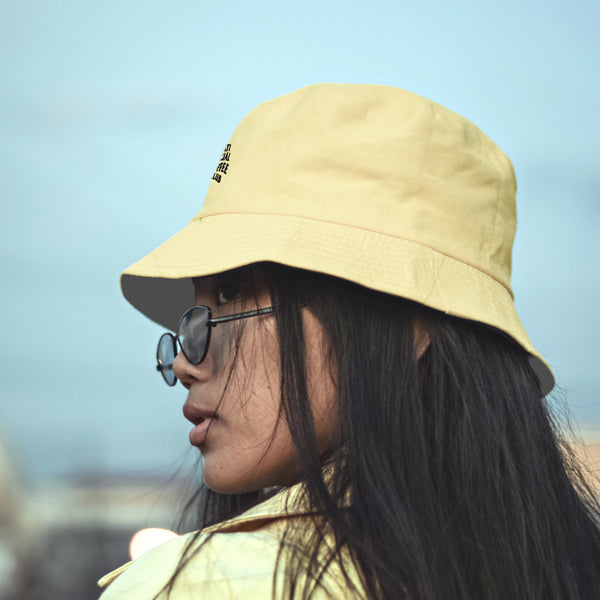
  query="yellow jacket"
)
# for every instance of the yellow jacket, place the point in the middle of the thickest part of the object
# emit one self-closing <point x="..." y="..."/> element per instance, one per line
<point x="238" y="561"/>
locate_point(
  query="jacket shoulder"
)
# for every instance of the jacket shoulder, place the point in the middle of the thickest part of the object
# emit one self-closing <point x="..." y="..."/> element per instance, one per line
<point x="239" y="565"/>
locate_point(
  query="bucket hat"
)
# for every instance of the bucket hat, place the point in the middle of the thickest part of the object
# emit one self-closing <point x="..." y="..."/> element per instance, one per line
<point x="369" y="183"/>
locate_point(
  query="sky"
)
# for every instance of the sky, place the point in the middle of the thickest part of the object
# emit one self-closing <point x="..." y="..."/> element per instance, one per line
<point x="113" y="115"/>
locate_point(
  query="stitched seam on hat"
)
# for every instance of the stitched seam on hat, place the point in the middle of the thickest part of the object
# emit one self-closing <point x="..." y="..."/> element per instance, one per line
<point x="398" y="237"/>
<point x="437" y="281"/>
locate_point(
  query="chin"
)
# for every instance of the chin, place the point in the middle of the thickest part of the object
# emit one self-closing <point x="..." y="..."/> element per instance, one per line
<point x="224" y="482"/>
<point x="244" y="485"/>
<point x="231" y="487"/>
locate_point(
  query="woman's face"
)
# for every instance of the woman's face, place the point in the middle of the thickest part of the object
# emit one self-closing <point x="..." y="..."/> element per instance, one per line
<point x="234" y="397"/>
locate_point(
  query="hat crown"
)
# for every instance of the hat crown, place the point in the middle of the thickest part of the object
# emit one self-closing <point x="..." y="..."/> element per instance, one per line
<point x="375" y="158"/>
<point x="368" y="183"/>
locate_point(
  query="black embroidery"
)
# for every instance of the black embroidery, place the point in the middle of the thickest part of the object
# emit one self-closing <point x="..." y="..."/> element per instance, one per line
<point x="223" y="164"/>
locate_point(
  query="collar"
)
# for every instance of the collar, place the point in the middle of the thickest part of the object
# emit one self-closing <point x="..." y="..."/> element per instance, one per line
<point x="284" y="505"/>
<point x="287" y="503"/>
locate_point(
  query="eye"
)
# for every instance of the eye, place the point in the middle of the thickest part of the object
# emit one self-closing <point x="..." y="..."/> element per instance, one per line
<point x="226" y="291"/>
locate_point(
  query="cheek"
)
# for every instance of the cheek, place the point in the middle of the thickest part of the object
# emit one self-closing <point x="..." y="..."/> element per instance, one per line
<point x="253" y="388"/>
<point x="253" y="449"/>
<point x="221" y="349"/>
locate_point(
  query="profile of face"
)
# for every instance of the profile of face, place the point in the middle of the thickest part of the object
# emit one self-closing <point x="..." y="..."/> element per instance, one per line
<point x="234" y="393"/>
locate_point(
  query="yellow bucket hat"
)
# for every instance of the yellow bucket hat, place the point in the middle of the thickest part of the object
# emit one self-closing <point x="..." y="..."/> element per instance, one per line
<point x="369" y="183"/>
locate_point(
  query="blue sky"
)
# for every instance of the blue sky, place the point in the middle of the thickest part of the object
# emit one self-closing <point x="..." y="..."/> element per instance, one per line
<point x="112" y="116"/>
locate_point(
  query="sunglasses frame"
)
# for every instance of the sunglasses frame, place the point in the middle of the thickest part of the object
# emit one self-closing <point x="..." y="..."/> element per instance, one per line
<point x="209" y="324"/>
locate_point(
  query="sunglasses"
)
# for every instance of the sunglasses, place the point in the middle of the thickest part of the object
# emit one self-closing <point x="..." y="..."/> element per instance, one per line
<point x="193" y="336"/>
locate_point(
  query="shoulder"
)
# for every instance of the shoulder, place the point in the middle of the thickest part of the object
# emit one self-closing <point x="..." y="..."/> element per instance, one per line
<point x="237" y="558"/>
<point x="239" y="565"/>
<point x="233" y="559"/>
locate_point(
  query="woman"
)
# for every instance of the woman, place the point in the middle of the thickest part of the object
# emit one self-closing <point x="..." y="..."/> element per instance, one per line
<point x="369" y="408"/>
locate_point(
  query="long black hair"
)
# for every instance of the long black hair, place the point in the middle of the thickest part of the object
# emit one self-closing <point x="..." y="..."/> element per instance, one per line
<point x="449" y="477"/>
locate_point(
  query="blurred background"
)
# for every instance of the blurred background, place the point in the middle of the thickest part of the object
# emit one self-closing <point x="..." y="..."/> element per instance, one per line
<point x="112" y="119"/>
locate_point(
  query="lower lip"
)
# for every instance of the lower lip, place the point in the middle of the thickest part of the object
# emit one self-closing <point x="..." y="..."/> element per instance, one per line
<point x="199" y="433"/>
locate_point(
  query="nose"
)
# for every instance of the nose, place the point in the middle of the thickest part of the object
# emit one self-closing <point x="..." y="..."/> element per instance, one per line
<point x="188" y="373"/>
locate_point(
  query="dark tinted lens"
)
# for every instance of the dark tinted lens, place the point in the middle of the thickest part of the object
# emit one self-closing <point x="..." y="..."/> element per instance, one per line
<point x="165" y="356"/>
<point x="193" y="333"/>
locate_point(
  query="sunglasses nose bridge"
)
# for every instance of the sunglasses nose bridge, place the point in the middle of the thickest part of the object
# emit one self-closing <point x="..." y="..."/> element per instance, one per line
<point x="190" y="340"/>
<point x="193" y="333"/>
<point x="189" y="373"/>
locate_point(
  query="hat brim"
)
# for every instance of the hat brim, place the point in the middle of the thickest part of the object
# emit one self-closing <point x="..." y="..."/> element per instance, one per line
<point x="159" y="285"/>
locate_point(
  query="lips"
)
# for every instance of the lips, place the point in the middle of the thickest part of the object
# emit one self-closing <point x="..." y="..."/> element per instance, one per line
<point x="198" y="434"/>
<point x="202" y="419"/>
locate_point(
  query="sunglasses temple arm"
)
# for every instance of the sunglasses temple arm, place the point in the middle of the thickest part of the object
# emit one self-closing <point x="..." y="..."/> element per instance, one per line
<point x="245" y="315"/>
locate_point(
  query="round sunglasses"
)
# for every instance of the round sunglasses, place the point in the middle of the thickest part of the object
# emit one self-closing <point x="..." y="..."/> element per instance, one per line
<point x="193" y="336"/>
